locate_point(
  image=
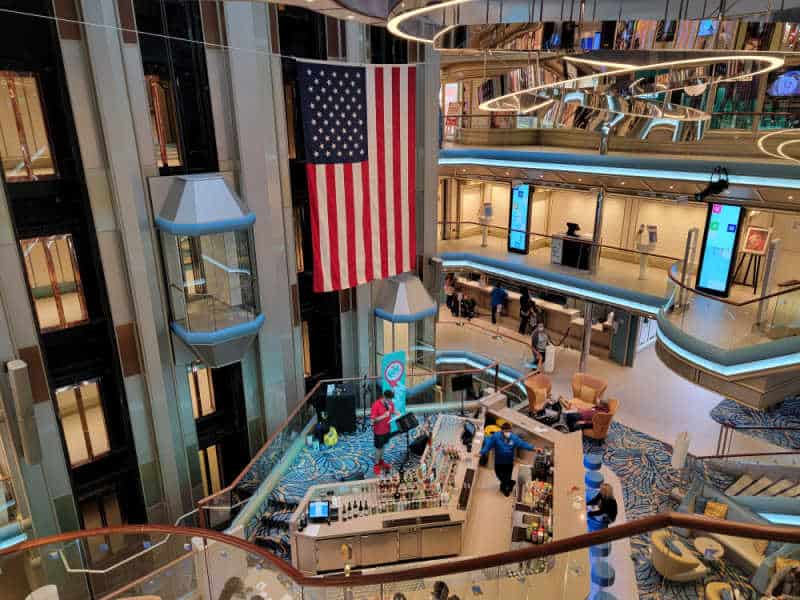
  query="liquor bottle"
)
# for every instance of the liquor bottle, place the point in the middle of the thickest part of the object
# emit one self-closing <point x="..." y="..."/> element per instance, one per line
<point x="360" y="509"/>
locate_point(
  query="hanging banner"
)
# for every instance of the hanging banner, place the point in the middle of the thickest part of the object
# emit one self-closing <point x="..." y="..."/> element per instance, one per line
<point x="453" y="113"/>
<point x="393" y="377"/>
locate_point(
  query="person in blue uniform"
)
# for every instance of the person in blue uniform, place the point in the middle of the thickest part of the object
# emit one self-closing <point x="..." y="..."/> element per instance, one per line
<point x="504" y="443"/>
<point x="499" y="296"/>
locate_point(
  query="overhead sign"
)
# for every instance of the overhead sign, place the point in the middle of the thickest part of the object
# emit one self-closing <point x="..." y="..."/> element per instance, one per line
<point x="393" y="377"/>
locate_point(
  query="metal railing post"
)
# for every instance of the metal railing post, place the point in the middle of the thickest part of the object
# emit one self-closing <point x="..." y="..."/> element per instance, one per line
<point x="772" y="254"/>
<point x="688" y="256"/>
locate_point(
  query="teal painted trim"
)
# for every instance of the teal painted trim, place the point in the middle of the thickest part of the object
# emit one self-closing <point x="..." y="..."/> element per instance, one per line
<point x="575" y="286"/>
<point x="251" y="508"/>
<point x="194" y="229"/>
<point x="405" y="318"/>
<point x="743" y="173"/>
<point x="728" y="363"/>
<point x="209" y="338"/>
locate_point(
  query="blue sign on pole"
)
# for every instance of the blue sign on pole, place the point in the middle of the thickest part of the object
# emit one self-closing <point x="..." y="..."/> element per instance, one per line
<point x="393" y="377"/>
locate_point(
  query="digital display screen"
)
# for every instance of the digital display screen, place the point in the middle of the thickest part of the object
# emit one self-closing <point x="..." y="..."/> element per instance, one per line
<point x="707" y="27"/>
<point x="719" y="248"/>
<point x="785" y="84"/>
<point x="519" y="218"/>
<point x="318" y="510"/>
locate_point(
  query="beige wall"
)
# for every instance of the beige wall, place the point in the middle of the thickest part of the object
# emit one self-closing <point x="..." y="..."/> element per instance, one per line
<point x="674" y="222"/>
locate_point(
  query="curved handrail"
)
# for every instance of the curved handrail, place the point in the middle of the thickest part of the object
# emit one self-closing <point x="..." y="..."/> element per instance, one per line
<point x="580" y="542"/>
<point x="674" y="279"/>
<point x="586" y="241"/>
<point x="203" y="503"/>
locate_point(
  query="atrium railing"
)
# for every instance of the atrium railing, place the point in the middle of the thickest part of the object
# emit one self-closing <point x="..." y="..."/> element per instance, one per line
<point x="740" y="121"/>
<point x="745" y="324"/>
<point x="209" y="564"/>
<point x="727" y="433"/>
<point x="221" y="508"/>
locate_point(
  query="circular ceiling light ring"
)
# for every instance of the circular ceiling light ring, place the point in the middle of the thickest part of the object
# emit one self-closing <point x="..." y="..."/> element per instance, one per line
<point x="395" y="21"/>
<point x="783" y="156"/>
<point x="782" y="145"/>
<point x="770" y="63"/>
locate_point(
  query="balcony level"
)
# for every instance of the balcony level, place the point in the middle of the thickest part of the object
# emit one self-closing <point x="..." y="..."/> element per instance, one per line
<point x="745" y="346"/>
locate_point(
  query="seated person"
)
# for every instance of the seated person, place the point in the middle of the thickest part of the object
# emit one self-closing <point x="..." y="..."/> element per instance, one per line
<point x="551" y="411"/>
<point x="785" y="584"/>
<point x="468" y="308"/>
<point x="603" y="507"/>
<point x="582" y="419"/>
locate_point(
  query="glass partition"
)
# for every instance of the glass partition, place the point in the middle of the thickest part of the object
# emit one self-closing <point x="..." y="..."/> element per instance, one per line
<point x="672" y="555"/>
<point x="216" y="289"/>
<point x="416" y="339"/>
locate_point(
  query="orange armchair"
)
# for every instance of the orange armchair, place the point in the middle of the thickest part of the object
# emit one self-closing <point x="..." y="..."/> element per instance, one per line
<point x="538" y="387"/>
<point x="587" y="390"/>
<point x="601" y="421"/>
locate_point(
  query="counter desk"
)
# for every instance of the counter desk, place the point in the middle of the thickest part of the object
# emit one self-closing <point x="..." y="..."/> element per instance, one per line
<point x="398" y="533"/>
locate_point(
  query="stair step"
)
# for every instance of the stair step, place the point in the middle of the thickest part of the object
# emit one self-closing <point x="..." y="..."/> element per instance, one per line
<point x="737" y="486"/>
<point x="777" y="487"/>
<point x="758" y="486"/>
<point x="791" y="492"/>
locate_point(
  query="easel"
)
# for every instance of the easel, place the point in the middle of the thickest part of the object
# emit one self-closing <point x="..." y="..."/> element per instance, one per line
<point x="754" y="262"/>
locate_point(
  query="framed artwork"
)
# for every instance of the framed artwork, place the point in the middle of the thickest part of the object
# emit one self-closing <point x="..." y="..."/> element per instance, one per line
<point x="756" y="240"/>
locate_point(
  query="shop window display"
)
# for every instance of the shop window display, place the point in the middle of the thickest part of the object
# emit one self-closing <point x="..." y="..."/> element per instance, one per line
<point x="83" y="422"/>
<point x="54" y="281"/>
<point x="24" y="144"/>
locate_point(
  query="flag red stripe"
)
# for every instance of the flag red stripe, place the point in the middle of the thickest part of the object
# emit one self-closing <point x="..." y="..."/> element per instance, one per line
<point x="396" y="174"/>
<point x="351" y="223"/>
<point x="412" y="173"/>
<point x="366" y="215"/>
<point x="381" y="168"/>
<point x="333" y="225"/>
<point x="313" y="198"/>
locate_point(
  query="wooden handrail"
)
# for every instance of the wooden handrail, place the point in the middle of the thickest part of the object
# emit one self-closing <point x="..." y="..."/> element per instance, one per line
<point x="203" y="502"/>
<point x="746" y="454"/>
<point x="586" y="241"/>
<point x="580" y="542"/>
<point x="677" y="282"/>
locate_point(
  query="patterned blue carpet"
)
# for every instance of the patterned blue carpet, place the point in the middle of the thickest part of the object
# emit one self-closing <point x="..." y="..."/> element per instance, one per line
<point x="353" y="455"/>
<point x="643" y="465"/>
<point x="787" y="414"/>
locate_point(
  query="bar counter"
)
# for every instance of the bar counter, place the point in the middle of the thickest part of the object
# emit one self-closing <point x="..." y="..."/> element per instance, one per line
<point x="403" y="538"/>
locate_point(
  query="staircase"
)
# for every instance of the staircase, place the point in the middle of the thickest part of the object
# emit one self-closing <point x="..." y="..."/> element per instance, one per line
<point x="747" y="485"/>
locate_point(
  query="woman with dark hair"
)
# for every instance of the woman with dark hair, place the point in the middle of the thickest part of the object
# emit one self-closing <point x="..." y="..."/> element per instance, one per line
<point x="233" y="587"/>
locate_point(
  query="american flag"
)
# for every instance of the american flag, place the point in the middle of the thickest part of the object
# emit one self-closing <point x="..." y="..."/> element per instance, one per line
<point x="359" y="127"/>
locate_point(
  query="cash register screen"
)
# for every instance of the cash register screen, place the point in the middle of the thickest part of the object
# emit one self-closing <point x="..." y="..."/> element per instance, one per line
<point x="318" y="510"/>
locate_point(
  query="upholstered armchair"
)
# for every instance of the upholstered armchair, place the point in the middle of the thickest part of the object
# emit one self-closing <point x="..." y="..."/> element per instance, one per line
<point x="676" y="563"/>
<point x="538" y="387"/>
<point x="601" y="421"/>
<point x="586" y="390"/>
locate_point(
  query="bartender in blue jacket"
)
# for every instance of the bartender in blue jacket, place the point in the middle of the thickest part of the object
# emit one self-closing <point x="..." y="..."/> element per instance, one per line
<point x="505" y="444"/>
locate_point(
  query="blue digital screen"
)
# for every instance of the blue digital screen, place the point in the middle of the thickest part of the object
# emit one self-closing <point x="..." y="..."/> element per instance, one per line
<point x="318" y="510"/>
<point x="707" y="27"/>
<point x="519" y="218"/>
<point x="720" y="247"/>
<point x="786" y="84"/>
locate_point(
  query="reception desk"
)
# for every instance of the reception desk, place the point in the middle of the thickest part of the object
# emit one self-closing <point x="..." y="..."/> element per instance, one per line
<point x="558" y="318"/>
<point x="405" y="535"/>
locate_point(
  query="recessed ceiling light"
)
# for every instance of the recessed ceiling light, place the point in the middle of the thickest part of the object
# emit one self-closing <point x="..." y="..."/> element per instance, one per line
<point x="541" y="176"/>
<point x="507" y="173"/>
<point x="622" y="182"/>
<point x="579" y="179"/>
<point x="350" y="17"/>
<point x="791" y="197"/>
<point x="671" y="187"/>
